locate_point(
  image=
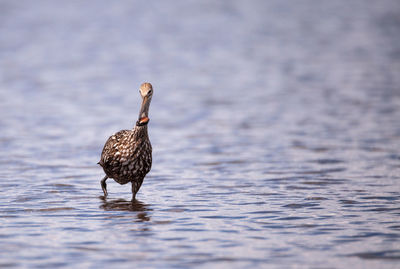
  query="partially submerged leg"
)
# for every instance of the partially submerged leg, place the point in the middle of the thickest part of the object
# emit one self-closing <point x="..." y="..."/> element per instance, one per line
<point x="104" y="185"/>
<point x="135" y="187"/>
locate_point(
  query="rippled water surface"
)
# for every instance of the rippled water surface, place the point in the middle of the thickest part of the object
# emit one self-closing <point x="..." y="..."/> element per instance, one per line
<point x="275" y="131"/>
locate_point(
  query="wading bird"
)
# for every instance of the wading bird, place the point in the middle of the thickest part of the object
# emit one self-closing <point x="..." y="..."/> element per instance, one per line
<point x="126" y="156"/>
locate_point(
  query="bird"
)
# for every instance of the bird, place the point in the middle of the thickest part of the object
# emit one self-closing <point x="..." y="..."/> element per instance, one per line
<point x="127" y="154"/>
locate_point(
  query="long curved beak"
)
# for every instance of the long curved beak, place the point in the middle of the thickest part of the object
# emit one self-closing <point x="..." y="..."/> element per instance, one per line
<point x="144" y="110"/>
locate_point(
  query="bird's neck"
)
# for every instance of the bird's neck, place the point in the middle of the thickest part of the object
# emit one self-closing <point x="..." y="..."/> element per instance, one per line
<point x="140" y="131"/>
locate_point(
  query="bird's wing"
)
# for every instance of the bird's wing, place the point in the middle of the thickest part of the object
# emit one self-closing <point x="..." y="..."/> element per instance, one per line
<point x="111" y="147"/>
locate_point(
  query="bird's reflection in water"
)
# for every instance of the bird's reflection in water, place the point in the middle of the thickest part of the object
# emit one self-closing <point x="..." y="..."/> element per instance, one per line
<point x="124" y="205"/>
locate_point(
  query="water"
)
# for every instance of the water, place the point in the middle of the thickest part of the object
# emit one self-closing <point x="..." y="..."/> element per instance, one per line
<point x="275" y="132"/>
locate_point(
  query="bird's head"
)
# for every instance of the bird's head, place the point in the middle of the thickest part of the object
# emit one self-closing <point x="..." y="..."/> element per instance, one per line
<point x="146" y="90"/>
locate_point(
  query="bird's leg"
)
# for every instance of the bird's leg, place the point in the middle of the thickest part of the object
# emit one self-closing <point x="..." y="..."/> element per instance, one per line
<point x="104" y="185"/>
<point x="135" y="188"/>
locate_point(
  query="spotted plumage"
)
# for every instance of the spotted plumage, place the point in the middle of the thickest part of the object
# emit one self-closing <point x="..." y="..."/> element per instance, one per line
<point x="127" y="154"/>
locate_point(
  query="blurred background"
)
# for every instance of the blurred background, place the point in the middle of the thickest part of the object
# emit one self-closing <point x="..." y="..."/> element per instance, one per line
<point x="275" y="132"/>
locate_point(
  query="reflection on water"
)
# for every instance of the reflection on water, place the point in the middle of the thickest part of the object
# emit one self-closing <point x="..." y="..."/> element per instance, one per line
<point x="274" y="125"/>
<point x="124" y="205"/>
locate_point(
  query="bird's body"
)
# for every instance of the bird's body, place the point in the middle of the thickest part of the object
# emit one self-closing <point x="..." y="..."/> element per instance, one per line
<point x="127" y="154"/>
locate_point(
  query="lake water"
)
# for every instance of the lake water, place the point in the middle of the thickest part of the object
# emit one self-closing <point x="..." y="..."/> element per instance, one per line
<point x="275" y="131"/>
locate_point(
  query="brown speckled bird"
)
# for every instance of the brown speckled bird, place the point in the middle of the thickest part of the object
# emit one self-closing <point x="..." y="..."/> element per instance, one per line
<point x="126" y="156"/>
